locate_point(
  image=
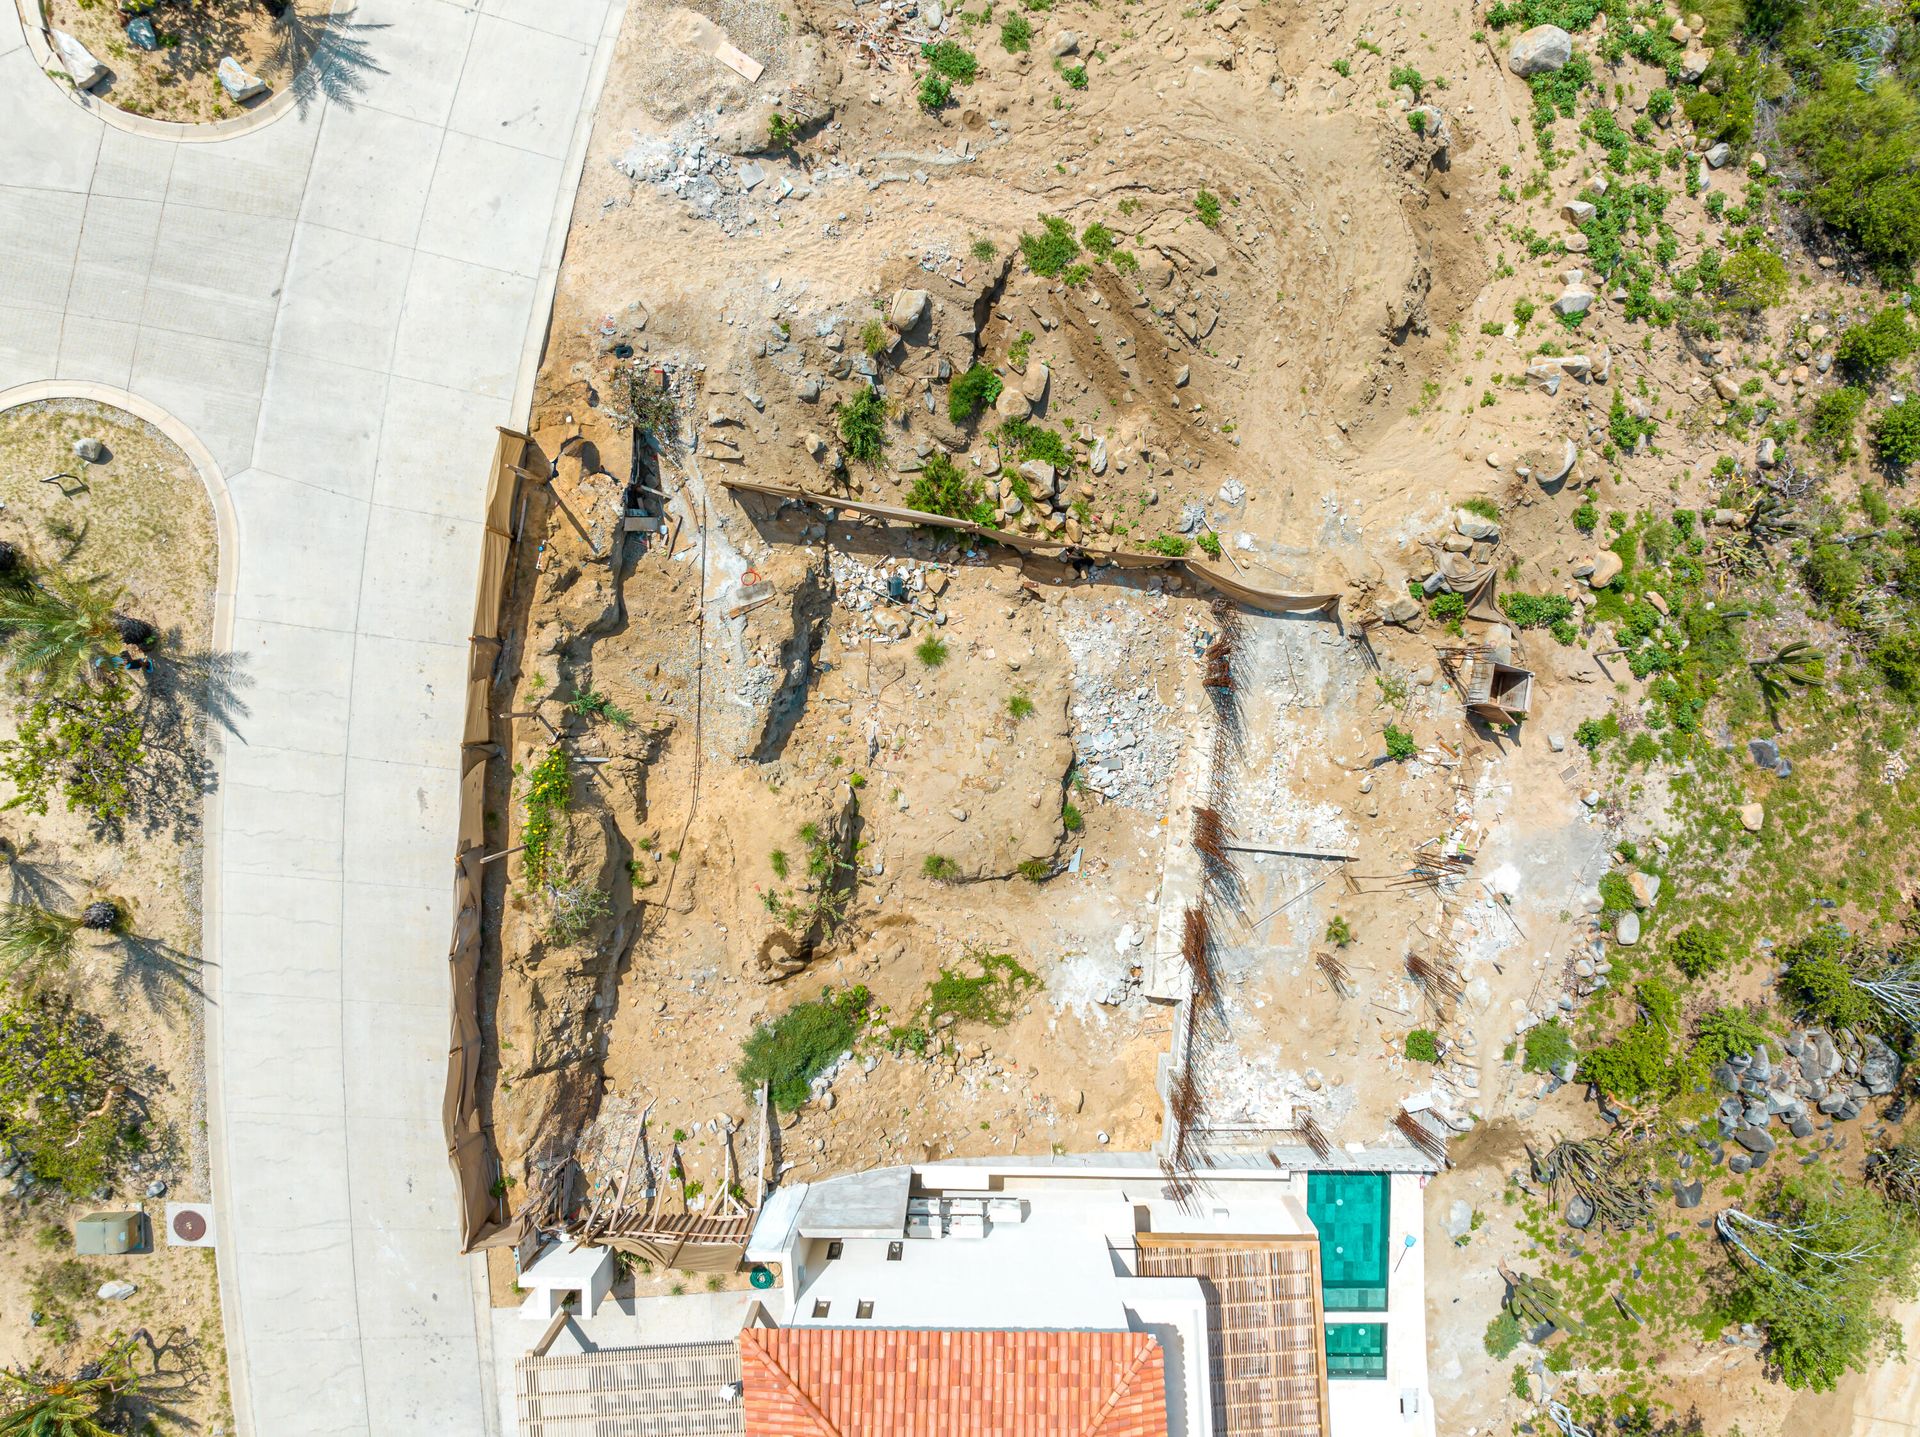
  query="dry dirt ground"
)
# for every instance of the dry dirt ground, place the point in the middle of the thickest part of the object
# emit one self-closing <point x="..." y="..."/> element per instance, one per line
<point x="1307" y="376"/>
<point x="180" y="80"/>
<point x="142" y="523"/>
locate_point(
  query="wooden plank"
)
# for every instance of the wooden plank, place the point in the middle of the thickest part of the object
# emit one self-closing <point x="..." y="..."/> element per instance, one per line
<point x="738" y="61"/>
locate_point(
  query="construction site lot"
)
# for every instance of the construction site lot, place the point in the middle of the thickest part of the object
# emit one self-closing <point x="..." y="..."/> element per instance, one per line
<point x="104" y="1106"/>
<point x="1379" y="575"/>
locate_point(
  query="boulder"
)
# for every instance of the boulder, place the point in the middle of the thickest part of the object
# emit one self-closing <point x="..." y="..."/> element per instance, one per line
<point x="1752" y="816"/>
<point x="1693" y="64"/>
<point x="1754" y="1140"/>
<point x="78" y="61"/>
<point x="1577" y="212"/>
<point x="1540" y="51"/>
<point x="1879" y="1067"/>
<point x="1688" y="1195"/>
<point x="1580" y="1213"/>
<point x="1551" y="463"/>
<point x="1576" y="299"/>
<point x="1011" y="404"/>
<point x="1606" y="568"/>
<point x="1064" y="43"/>
<point x="907" y="309"/>
<point x="1401" y="609"/>
<point x="141" y="33"/>
<point x="1719" y="155"/>
<point x="91" y="450"/>
<point x="1645" y="888"/>
<point x="116" y="1291"/>
<point x="1040" y="477"/>
<point x="1459" y="1219"/>
<point x="240" y="83"/>
<point x="1626" y="932"/>
<point x="1033" y="384"/>
<point x="1727" y="387"/>
<point x="1476" y="526"/>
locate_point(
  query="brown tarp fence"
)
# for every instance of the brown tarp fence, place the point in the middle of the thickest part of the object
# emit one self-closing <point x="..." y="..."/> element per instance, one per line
<point x="1220" y="580"/>
<point x="469" y="1146"/>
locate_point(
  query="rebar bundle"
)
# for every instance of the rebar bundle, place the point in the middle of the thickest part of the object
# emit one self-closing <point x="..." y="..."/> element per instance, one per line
<point x="1335" y="967"/>
<point x="1196" y="948"/>
<point x="1438" y="982"/>
<point x="1430" y="1143"/>
<point x="1315" y="1137"/>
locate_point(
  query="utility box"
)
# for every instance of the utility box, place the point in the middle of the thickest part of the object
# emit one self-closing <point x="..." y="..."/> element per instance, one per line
<point x="112" y="1234"/>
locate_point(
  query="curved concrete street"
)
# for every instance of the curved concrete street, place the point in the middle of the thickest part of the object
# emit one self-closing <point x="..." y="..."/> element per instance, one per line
<point x="340" y="305"/>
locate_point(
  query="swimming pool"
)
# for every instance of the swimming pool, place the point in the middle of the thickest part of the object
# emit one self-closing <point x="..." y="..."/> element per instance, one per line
<point x="1357" y="1349"/>
<point x="1349" y="1210"/>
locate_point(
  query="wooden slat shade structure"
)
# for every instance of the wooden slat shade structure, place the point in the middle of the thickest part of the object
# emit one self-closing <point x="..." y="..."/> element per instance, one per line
<point x="1264" y="1326"/>
<point x="680" y="1390"/>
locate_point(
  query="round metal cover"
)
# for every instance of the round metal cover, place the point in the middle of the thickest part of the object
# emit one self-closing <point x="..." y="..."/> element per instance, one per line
<point x="189" y="1226"/>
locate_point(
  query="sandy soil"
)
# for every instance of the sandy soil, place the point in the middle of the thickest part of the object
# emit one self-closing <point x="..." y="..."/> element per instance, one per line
<point x="141" y="522"/>
<point x="179" y="80"/>
<point x="1324" y="375"/>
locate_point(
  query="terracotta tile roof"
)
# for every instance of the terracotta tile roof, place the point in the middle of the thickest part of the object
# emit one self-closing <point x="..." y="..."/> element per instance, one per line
<point x="879" y="1382"/>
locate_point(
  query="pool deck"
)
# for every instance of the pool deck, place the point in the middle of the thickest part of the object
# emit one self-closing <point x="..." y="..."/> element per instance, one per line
<point x="1361" y="1407"/>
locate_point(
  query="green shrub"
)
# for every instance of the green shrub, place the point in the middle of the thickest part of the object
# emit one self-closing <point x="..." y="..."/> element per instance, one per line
<point x="1209" y="543"/>
<point x="939" y="868"/>
<point x="1864" y="149"/>
<point x="1831" y="421"/>
<point x="1206" y="204"/>
<point x="1867" y="351"/>
<point x="1016" y="34"/>
<point x="1502" y="1336"/>
<point x="1753" y="280"/>
<point x="972" y="392"/>
<point x="1423" y="1046"/>
<point x="782" y="133"/>
<point x="1587" y="517"/>
<point x="1722" y="1032"/>
<point x="953" y="60"/>
<point x="931" y="651"/>
<point x="1548" y="1047"/>
<point x="59" y="1069"/>
<point x="863" y="425"/>
<point x="1075" y="76"/>
<point x="1448" y="607"/>
<point x="1819" y="979"/>
<point x="1697" y="949"/>
<point x="941" y="488"/>
<point x="1593" y="732"/>
<point x="1536" y="611"/>
<point x="1400" y="744"/>
<point x="1408" y="76"/>
<point x="1099" y="240"/>
<point x="1833" y="575"/>
<point x="1071" y="818"/>
<point x="1339" y="932"/>
<point x="1635" y="1065"/>
<point x="874" y="338"/>
<point x="992" y="996"/>
<point x="1486" y="508"/>
<point x="1897" y="657"/>
<point x="1660" y="102"/>
<point x="549" y="794"/>
<point x="1616" y="895"/>
<point x="787" y="1053"/>
<point x="1019" y="706"/>
<point x="935" y="93"/>
<point x="1896" y="434"/>
<point x="1170" y="545"/>
<point x="1053" y="249"/>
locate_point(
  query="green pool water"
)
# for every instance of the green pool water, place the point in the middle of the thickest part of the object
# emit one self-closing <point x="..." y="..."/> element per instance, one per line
<point x="1357" y="1349"/>
<point x="1349" y="1210"/>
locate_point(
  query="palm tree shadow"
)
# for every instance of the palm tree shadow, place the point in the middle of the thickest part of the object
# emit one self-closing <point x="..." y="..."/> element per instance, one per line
<point x="206" y="681"/>
<point x="43" y="885"/>
<point x="329" y="58"/>
<point x="160" y="972"/>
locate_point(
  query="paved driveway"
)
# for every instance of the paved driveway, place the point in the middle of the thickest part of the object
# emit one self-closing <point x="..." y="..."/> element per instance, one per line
<point x="340" y="305"/>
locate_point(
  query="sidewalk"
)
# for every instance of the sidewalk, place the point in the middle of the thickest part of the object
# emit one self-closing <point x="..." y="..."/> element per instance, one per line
<point x="340" y="305"/>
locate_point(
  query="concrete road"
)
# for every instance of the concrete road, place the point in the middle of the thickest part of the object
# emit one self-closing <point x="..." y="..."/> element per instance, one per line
<point x="339" y="304"/>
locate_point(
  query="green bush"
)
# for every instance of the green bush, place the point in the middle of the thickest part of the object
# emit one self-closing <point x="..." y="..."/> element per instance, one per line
<point x="1053" y="249"/>
<point x="1819" y="979"/>
<point x="1635" y="1065"/>
<point x="992" y="996"/>
<point x="1075" y="76"/>
<point x="1753" y="280"/>
<point x="1206" y="204"/>
<point x="1209" y="543"/>
<point x="1548" y="1047"/>
<point x="1100" y="241"/>
<point x="1016" y="34"/>
<point x="1170" y="545"/>
<point x="1867" y="351"/>
<point x="1448" y="607"/>
<point x="935" y="93"/>
<point x="1587" y="517"/>
<point x="1339" y="932"/>
<point x="972" y="392"/>
<point x="1830" y="423"/>
<point x="939" y="868"/>
<point x="1897" y="657"/>
<point x="1722" y="1032"/>
<point x="1833" y="575"/>
<point x="1896" y="434"/>
<point x="1423" y="1046"/>
<point x="59" y="1069"/>
<point x="1400" y="744"/>
<point x="787" y="1053"/>
<point x="953" y="60"/>
<point x="1026" y="440"/>
<point x="1536" y="611"/>
<point x="1502" y="1336"/>
<point x="863" y="421"/>
<point x="1864" y="150"/>
<point x="1697" y="949"/>
<point x="941" y="488"/>
<point x="931" y="651"/>
<point x="1616" y="895"/>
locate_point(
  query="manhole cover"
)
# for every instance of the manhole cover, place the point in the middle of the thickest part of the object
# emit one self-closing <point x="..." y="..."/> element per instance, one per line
<point x="189" y="1226"/>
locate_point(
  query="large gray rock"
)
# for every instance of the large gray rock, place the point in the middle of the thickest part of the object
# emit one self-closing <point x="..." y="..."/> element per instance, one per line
<point x="1540" y="51"/>
<point x="1459" y="1221"/>
<point x="1606" y="568"/>
<point x="1476" y="526"/>
<point x="1576" y="299"/>
<point x="1627" y="931"/>
<point x="907" y="308"/>
<point x="1064" y="43"/>
<point x="91" y="450"/>
<point x="240" y="83"/>
<point x="78" y="61"/>
<point x="1879" y="1067"/>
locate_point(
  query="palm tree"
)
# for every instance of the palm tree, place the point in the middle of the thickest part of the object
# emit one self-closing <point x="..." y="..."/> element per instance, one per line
<point x="33" y="937"/>
<point x="42" y="1404"/>
<point x="1795" y="665"/>
<point x="58" y="628"/>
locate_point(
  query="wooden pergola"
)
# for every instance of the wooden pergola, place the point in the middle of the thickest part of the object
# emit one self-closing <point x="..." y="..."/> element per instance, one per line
<point x="1264" y="1326"/>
